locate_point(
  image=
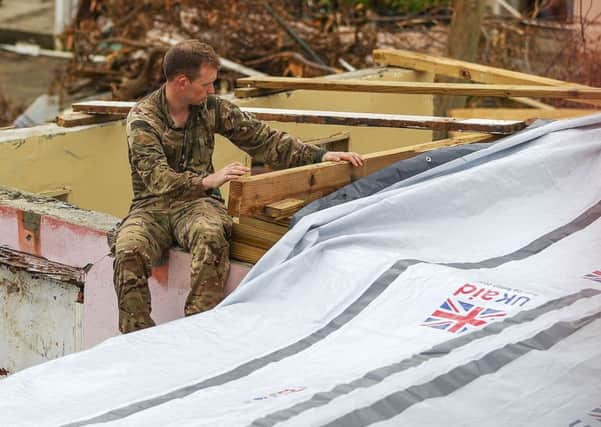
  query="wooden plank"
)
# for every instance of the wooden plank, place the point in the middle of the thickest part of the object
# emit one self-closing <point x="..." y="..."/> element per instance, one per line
<point x="386" y="120"/>
<point x="255" y="237"/>
<point x="465" y="70"/>
<point x="519" y="113"/>
<point x="338" y="118"/>
<point x="269" y="225"/>
<point x="249" y="195"/>
<point x="337" y="142"/>
<point x="460" y="69"/>
<point x="250" y="92"/>
<point x="283" y="208"/>
<point x="245" y="252"/>
<point x="373" y="162"/>
<point x="120" y="108"/>
<point x="79" y="119"/>
<point x="469" y="89"/>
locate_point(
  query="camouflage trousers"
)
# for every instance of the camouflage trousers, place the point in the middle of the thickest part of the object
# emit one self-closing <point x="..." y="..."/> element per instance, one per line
<point x="200" y="226"/>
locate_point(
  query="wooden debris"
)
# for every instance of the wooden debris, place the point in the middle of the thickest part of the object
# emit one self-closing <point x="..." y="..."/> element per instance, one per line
<point x="283" y="208"/>
<point x="354" y="85"/>
<point x="68" y="120"/>
<point x="41" y="267"/>
<point x="249" y="195"/>
<point x="337" y="118"/>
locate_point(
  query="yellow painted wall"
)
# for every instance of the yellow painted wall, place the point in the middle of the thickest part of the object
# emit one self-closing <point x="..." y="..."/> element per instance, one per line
<point x="92" y="160"/>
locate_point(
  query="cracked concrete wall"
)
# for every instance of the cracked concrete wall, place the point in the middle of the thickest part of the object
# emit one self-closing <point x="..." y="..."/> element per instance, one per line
<point x="40" y="319"/>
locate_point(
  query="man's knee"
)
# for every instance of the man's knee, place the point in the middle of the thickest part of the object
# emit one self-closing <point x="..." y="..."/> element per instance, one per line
<point x="129" y="265"/>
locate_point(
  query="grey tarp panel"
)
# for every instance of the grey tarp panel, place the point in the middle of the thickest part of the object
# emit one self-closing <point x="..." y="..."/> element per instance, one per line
<point x="381" y="179"/>
<point x="394" y="173"/>
<point x="466" y="295"/>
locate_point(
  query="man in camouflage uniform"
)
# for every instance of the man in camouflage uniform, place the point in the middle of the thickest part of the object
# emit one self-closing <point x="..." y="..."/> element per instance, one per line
<point x="170" y="135"/>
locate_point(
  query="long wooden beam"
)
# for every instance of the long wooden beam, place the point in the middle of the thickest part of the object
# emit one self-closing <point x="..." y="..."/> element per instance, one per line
<point x="386" y="120"/>
<point x="119" y="108"/>
<point x="519" y="113"/>
<point x="465" y="70"/>
<point x="460" y="69"/>
<point x="469" y="89"/>
<point x="339" y="118"/>
<point x="249" y="195"/>
<point x="68" y="120"/>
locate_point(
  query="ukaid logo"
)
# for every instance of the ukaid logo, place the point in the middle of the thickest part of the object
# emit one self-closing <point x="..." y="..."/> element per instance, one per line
<point x="473" y="306"/>
<point x="595" y="276"/>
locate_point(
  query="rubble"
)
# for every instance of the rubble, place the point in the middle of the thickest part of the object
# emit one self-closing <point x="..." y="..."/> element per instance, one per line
<point x="270" y="38"/>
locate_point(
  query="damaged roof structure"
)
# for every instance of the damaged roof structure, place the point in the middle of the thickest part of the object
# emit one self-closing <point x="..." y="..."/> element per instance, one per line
<point x="445" y="275"/>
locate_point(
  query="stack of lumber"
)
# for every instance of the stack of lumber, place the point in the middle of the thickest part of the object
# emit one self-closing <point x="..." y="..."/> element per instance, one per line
<point x="264" y="203"/>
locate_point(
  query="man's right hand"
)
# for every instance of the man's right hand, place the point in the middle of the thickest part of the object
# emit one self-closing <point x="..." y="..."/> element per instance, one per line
<point x="231" y="172"/>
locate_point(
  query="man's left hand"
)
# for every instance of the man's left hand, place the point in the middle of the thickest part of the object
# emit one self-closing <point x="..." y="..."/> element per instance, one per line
<point x="337" y="156"/>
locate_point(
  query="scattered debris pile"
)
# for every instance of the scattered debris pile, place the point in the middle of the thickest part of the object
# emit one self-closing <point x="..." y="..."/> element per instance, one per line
<point x="302" y="39"/>
<point x="134" y="35"/>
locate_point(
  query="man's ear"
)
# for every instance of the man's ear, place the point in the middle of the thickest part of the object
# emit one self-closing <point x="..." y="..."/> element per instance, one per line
<point x="180" y="81"/>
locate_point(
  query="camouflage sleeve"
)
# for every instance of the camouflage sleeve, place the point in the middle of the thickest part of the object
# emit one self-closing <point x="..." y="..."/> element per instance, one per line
<point x="148" y="159"/>
<point x="277" y="149"/>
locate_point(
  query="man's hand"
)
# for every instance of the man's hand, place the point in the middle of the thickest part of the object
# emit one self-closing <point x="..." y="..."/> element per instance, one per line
<point x="231" y="172"/>
<point x="337" y="156"/>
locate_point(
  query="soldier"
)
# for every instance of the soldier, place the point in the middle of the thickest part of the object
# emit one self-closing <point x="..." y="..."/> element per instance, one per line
<point x="170" y="135"/>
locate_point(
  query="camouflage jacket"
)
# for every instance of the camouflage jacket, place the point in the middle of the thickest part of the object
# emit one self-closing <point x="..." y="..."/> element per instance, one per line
<point x="164" y="158"/>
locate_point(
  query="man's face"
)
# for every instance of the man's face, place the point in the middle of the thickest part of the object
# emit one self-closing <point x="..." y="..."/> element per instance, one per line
<point x="202" y="86"/>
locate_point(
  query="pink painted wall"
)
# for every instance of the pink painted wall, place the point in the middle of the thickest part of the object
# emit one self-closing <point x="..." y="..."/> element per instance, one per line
<point x="79" y="246"/>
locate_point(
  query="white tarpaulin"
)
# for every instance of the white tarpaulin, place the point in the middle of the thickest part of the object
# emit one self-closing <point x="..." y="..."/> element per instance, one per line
<point x="467" y="295"/>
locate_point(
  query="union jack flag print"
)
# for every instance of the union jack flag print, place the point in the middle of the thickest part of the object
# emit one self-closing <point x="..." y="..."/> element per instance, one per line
<point x="457" y="316"/>
<point x="595" y="276"/>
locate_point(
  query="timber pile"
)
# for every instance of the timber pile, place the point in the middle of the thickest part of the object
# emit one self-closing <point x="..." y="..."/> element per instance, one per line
<point x="264" y="203"/>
